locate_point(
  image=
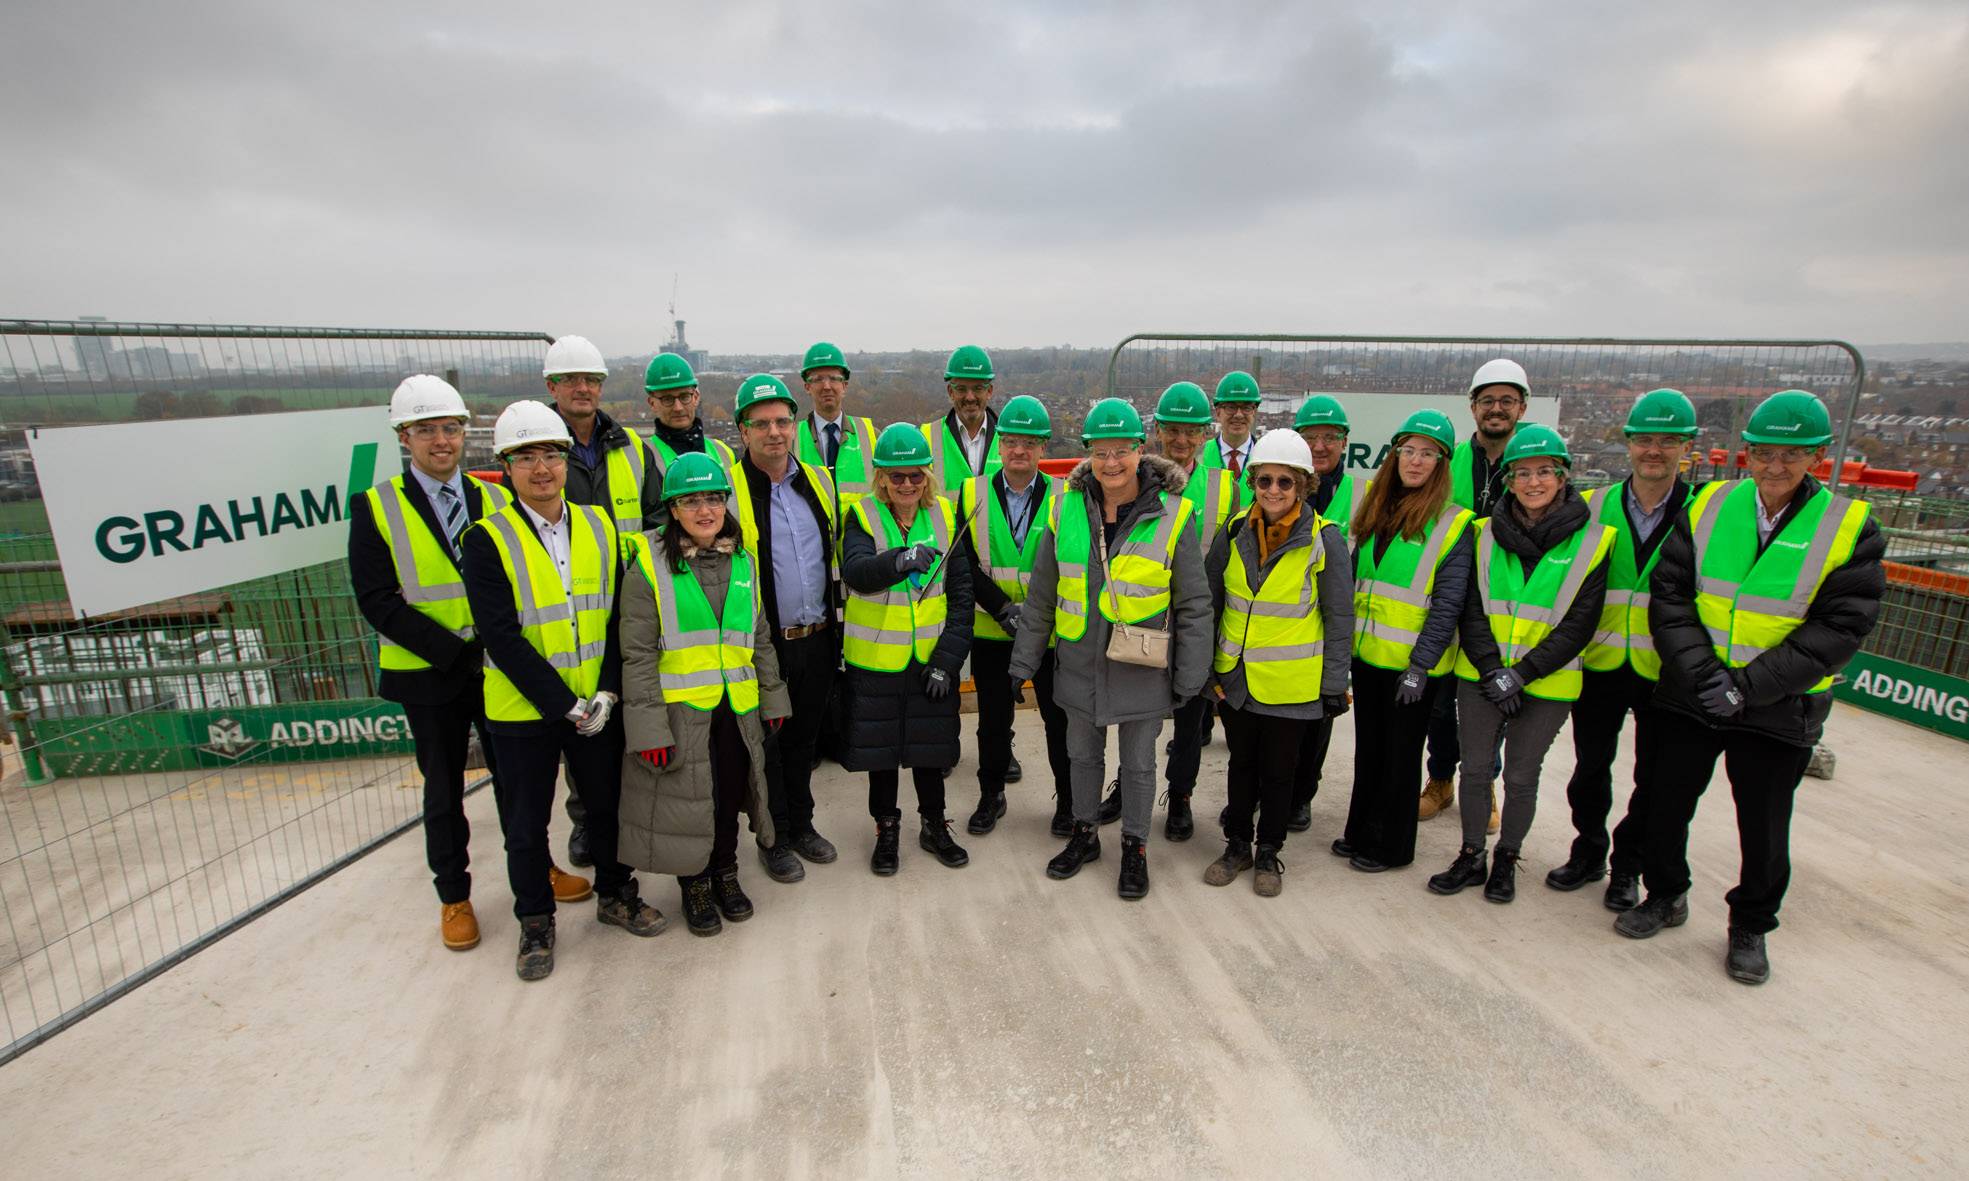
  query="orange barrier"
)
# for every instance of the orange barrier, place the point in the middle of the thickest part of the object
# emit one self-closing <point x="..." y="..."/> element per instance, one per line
<point x="1058" y="467"/>
<point x="1922" y="578"/>
<point x="1853" y="471"/>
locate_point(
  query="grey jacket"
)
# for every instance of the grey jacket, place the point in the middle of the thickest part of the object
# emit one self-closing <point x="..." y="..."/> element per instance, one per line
<point x="667" y="817"/>
<point x="1086" y="683"/>
<point x="1333" y="591"/>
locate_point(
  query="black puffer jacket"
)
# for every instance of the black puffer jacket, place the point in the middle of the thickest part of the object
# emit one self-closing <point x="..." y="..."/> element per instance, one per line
<point x="1531" y="542"/>
<point x="1774" y="685"/>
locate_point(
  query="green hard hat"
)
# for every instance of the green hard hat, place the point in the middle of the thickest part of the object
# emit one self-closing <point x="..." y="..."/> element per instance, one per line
<point x="1791" y="417"/>
<point x="821" y="356"/>
<point x="968" y="363"/>
<point x="1535" y="440"/>
<point x="1430" y="424"/>
<point x="668" y="371"/>
<point x="1321" y="410"/>
<point x="902" y="445"/>
<point x="694" y="471"/>
<point x="1661" y="412"/>
<point x="1025" y="415"/>
<point x="1185" y="403"/>
<point x="762" y="387"/>
<point x="1237" y="386"/>
<point x="1112" y="418"/>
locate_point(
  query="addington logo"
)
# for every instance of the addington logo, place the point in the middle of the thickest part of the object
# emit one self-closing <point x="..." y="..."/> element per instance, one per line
<point x="124" y="539"/>
<point x="1901" y="691"/>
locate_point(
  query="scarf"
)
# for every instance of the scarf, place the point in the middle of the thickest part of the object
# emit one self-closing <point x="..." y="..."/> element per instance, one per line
<point x="689" y="439"/>
<point x="1270" y="537"/>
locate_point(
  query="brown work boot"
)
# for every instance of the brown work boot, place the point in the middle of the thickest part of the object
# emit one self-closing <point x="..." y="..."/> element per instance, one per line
<point x="1492" y="827"/>
<point x="568" y="887"/>
<point x="1440" y="794"/>
<point x="459" y="926"/>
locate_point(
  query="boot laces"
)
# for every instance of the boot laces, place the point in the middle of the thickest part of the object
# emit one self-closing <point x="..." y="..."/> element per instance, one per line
<point x="700" y="892"/>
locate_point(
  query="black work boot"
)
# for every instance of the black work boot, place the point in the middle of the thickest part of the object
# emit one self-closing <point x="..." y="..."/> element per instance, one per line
<point x="1083" y="846"/>
<point x="577" y="847"/>
<point x="1467" y="870"/>
<point x="1747" y="962"/>
<point x="935" y="838"/>
<point x="991" y="805"/>
<point x="700" y="910"/>
<point x="1268" y="874"/>
<point x="780" y="862"/>
<point x="1062" y="825"/>
<point x="731" y="899"/>
<point x="1013" y="772"/>
<point x="1574" y="874"/>
<point x="1111" y="806"/>
<point x="536" y="957"/>
<point x="1134" y="880"/>
<point x="1301" y="818"/>
<point x="1180" y="824"/>
<point x="1646" y="920"/>
<point x="886" y="859"/>
<point x="1224" y="870"/>
<point x="1623" y="892"/>
<point x="1503" y="883"/>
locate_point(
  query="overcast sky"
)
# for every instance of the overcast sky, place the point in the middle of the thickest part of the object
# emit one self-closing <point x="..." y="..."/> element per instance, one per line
<point x="924" y="174"/>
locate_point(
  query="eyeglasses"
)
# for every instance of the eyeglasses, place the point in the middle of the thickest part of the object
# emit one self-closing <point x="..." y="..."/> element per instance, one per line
<point x="968" y="388"/>
<point x="827" y="379"/>
<point x="536" y="458"/>
<point x="906" y="479"/>
<point x="1177" y="430"/>
<point x="678" y="399"/>
<point x="1236" y="409"/>
<point x="1324" y="439"/>
<point x="782" y="423"/>
<point x="699" y="500"/>
<point x="1267" y="482"/>
<point x="1429" y="453"/>
<point x="1110" y="454"/>
<point x="1787" y="456"/>
<point x="431" y="430"/>
<point x="1525" y="475"/>
<point x="1656" y="442"/>
<point x="1497" y="403"/>
<point x="581" y="380"/>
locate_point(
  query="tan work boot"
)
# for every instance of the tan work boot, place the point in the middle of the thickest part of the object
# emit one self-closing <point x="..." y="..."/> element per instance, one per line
<point x="1440" y="794"/>
<point x="1492" y="827"/>
<point x="459" y="926"/>
<point x="568" y="887"/>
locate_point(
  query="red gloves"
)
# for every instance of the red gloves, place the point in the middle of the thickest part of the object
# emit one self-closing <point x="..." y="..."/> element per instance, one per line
<point x="658" y="758"/>
<point x="773" y="725"/>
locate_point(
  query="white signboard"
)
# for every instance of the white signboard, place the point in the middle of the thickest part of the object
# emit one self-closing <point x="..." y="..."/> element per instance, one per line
<point x="145" y="511"/>
<point x="1374" y="418"/>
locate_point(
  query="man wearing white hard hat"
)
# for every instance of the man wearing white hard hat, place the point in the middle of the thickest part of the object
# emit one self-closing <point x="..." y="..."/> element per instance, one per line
<point x="404" y="568"/>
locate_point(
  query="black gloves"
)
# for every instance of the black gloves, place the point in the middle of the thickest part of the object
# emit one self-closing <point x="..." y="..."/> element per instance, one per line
<point x="1720" y="695"/>
<point x="1008" y="617"/>
<point x="1409" y="689"/>
<point x="915" y="559"/>
<point x="936" y="684"/>
<point x="1504" y="689"/>
<point x="1018" y="689"/>
<point x="1335" y="705"/>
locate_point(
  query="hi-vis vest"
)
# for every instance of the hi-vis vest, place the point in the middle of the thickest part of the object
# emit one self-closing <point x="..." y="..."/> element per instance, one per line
<point x="1276" y="630"/>
<point x="665" y="456"/>
<point x="1463" y="477"/>
<point x="1623" y="636"/>
<point x="1340" y="510"/>
<point x="623" y="468"/>
<point x="1009" y="566"/>
<point x="705" y="657"/>
<point x="1212" y="457"/>
<point x="1142" y="564"/>
<point x="1212" y="494"/>
<point x="854" y="468"/>
<point x="748" y="520"/>
<point x="948" y="466"/>
<point x="1523" y="611"/>
<point x="568" y="630"/>
<point x="883" y="631"/>
<point x="1392" y="594"/>
<point x="425" y="571"/>
<point x="1750" y="602"/>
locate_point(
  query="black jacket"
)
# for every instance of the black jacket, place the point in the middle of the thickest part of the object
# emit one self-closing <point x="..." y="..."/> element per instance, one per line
<point x="990" y="598"/>
<point x="1576" y="627"/>
<point x="589" y="485"/>
<point x="761" y="487"/>
<point x="455" y="664"/>
<point x="1774" y="685"/>
<point x="491" y="595"/>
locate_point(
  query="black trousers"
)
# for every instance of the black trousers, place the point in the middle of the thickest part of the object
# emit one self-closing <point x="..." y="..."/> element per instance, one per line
<point x="807" y="666"/>
<point x="731" y="767"/>
<point x="991" y="678"/>
<point x="442" y="734"/>
<point x="1388" y="763"/>
<point x="1603" y="705"/>
<point x="882" y="787"/>
<point x="1186" y="744"/>
<point x="1764" y="775"/>
<point x="529" y="763"/>
<point x="1264" y="754"/>
<point x="1311" y="762"/>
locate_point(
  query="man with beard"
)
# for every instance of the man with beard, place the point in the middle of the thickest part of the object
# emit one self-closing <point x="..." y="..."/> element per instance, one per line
<point x="964" y="443"/>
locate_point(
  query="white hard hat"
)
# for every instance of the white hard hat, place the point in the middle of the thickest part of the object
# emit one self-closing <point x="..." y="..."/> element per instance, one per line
<point x="573" y="354"/>
<point x="1501" y="372"/>
<point x="528" y="422"/>
<point x="422" y="396"/>
<point x="1284" y="447"/>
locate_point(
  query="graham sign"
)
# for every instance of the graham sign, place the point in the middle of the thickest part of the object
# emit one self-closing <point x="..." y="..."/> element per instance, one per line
<point x="154" y="510"/>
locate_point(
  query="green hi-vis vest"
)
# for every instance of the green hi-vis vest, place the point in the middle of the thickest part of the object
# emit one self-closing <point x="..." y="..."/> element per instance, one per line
<point x="1006" y="564"/>
<point x="748" y="520"/>
<point x="1523" y="611"/>
<point x="883" y="631"/>
<point x="948" y="467"/>
<point x="1463" y="477"/>
<point x="1212" y="494"/>
<point x="1392" y="593"/>
<point x="1212" y="457"/>
<point x="1340" y="510"/>
<point x="569" y="628"/>
<point x="1750" y="602"/>
<point x="854" y="465"/>
<point x="1139" y="568"/>
<point x="704" y="657"/>
<point x="1623" y="636"/>
<point x="428" y="577"/>
<point x="1276" y="630"/>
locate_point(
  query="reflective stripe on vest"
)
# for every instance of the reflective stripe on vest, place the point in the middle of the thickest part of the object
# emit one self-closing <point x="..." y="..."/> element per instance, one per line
<point x="1340" y="510"/>
<point x="1523" y="610"/>
<point x="426" y="573"/>
<point x="748" y="520"/>
<point x="1212" y="494"/>
<point x="1212" y="458"/>
<point x="704" y="658"/>
<point x="854" y="473"/>
<point x="665" y="456"/>
<point x="948" y="466"/>
<point x="1392" y="594"/>
<point x="1622" y="636"/>
<point x="1142" y="564"/>
<point x="569" y="631"/>
<point x="883" y="631"/>
<point x="1749" y="602"/>
<point x="1007" y="565"/>
<point x="623" y="468"/>
<point x="1276" y="630"/>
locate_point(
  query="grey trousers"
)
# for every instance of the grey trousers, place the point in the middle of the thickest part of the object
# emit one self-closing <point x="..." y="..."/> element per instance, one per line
<point x="1087" y="749"/>
<point x="1526" y="739"/>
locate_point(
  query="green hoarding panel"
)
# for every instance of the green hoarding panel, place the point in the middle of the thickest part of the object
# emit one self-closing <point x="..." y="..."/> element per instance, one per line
<point x="1907" y="692"/>
<point x="251" y="735"/>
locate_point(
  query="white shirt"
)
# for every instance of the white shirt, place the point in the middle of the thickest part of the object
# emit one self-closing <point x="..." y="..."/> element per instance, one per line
<point x="1765" y="521"/>
<point x="1240" y="452"/>
<point x="974" y="445"/>
<point x="554" y="539"/>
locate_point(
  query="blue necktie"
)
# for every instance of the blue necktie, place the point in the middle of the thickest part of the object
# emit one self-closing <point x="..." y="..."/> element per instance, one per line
<point x="453" y="514"/>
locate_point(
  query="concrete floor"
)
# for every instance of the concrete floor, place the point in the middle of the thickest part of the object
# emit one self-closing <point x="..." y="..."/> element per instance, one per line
<point x="990" y="1022"/>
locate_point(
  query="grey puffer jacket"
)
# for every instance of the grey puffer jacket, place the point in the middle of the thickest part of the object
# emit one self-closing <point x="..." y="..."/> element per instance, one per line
<point x="1085" y="682"/>
<point x="1334" y="593"/>
<point x="667" y="817"/>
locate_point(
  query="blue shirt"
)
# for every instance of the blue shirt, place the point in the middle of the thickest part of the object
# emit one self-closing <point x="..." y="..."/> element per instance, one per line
<point x="431" y="485"/>
<point x="1021" y="506"/>
<point x="799" y="554"/>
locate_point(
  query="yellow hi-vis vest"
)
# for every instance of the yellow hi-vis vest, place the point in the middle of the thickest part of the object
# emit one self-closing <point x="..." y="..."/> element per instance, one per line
<point x="1009" y="566"/>
<point x="1748" y="601"/>
<point x="883" y="631"/>
<point x="1340" y="510"/>
<point x="1212" y="457"/>
<point x="1141" y="566"/>
<point x="1212" y="493"/>
<point x="748" y="520"/>
<point x="1393" y="593"/>
<point x="1523" y="610"/>
<point x="705" y="657"/>
<point x="1623" y="636"/>
<point x="429" y="579"/>
<point x="948" y="466"/>
<point x="1276" y="630"/>
<point x="623" y="468"/>
<point x="568" y="628"/>
<point x="854" y="466"/>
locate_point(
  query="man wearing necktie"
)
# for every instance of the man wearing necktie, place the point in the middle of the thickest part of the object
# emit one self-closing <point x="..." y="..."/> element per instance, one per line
<point x="829" y="437"/>
<point x="1235" y="407"/>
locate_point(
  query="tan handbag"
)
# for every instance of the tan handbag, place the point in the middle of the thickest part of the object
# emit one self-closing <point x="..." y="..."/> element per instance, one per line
<point x="1129" y="643"/>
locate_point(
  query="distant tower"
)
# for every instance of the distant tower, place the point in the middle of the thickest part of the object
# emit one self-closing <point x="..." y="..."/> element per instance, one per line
<point x="677" y="344"/>
<point x="93" y="353"/>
